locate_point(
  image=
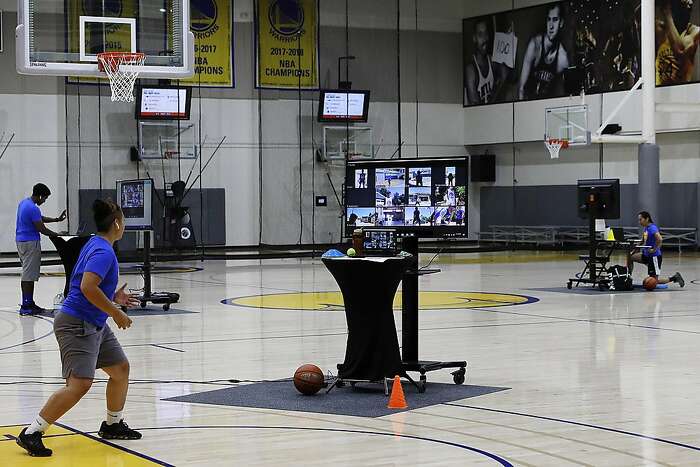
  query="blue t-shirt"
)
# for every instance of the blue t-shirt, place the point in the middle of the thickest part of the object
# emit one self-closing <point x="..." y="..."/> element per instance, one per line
<point x="27" y="213"/>
<point x="97" y="256"/>
<point x="649" y="237"/>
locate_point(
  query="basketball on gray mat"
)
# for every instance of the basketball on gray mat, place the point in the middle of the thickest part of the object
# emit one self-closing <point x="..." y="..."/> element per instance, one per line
<point x="308" y="379"/>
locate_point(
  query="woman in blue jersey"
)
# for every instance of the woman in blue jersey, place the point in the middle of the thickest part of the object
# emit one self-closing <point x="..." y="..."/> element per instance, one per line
<point x="84" y="337"/>
<point x="650" y="253"/>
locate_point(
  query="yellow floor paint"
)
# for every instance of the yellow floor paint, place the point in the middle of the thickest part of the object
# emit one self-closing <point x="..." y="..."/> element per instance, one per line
<point x="70" y="449"/>
<point x="428" y="300"/>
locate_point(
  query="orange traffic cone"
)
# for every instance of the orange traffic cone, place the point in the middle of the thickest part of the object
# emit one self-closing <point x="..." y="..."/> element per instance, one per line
<point x="397" y="399"/>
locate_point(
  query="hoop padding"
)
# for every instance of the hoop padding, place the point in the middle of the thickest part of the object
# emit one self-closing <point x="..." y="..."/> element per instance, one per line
<point x="122" y="69"/>
<point x="555" y="145"/>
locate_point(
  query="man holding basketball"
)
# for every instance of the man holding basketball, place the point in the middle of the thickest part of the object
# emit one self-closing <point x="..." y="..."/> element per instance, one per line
<point x="677" y="41"/>
<point x="650" y="253"/>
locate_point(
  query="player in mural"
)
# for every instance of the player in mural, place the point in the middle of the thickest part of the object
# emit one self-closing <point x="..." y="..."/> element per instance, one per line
<point x="677" y="41"/>
<point x="483" y="76"/>
<point x="545" y="59"/>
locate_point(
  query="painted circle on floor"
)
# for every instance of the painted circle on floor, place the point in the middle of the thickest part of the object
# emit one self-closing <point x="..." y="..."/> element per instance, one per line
<point x="333" y="301"/>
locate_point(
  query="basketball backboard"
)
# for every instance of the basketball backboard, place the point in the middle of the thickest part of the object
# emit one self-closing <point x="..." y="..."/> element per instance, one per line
<point x="167" y="140"/>
<point x="568" y="123"/>
<point x="63" y="37"/>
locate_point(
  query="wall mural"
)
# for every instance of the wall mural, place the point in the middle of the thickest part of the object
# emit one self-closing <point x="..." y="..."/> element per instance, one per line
<point x="560" y="48"/>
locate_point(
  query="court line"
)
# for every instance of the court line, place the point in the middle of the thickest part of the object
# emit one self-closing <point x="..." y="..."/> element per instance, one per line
<point x="571" y="422"/>
<point x="167" y="348"/>
<point x="31" y="340"/>
<point x="582" y="320"/>
<point x="108" y="443"/>
<point x="330" y="334"/>
<point x="494" y="457"/>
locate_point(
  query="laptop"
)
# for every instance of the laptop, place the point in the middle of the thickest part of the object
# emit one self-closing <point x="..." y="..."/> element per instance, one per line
<point x="619" y="234"/>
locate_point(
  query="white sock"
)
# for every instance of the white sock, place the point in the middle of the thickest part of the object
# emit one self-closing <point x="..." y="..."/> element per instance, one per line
<point x="39" y="424"/>
<point x="113" y="417"/>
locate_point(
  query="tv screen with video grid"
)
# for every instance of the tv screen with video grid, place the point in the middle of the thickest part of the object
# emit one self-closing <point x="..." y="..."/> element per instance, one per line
<point x="423" y="195"/>
<point x="135" y="198"/>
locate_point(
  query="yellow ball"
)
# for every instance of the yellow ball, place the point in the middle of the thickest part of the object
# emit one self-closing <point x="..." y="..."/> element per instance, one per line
<point x="351" y="252"/>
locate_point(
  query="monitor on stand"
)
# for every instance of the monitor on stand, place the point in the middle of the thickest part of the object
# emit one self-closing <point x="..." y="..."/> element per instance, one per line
<point x="135" y="198"/>
<point x="597" y="199"/>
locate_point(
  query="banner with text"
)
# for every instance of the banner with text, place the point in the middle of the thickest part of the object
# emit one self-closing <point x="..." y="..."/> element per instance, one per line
<point x="211" y="24"/>
<point x="287" y="44"/>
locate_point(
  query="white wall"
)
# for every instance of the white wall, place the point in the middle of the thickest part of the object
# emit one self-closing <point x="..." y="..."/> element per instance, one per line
<point x="37" y="154"/>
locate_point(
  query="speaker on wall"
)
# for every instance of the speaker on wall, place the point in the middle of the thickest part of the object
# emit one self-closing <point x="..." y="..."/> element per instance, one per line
<point x="483" y="168"/>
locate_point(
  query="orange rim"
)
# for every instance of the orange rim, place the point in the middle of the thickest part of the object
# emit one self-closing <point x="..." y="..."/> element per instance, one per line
<point x="113" y="58"/>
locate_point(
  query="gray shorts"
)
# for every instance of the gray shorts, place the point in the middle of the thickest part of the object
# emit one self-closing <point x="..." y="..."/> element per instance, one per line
<point x="30" y="257"/>
<point x="84" y="347"/>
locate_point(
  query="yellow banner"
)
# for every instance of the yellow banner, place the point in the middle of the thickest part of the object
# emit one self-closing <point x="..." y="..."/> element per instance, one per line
<point x="287" y="44"/>
<point x="210" y="22"/>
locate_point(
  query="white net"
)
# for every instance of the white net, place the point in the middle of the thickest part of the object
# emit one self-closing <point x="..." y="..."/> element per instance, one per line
<point x="122" y="69"/>
<point x="554" y="146"/>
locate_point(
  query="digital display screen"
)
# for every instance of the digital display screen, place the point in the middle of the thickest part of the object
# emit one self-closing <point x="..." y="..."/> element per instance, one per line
<point x="135" y="198"/>
<point x="163" y="103"/>
<point x="428" y="196"/>
<point x="341" y="106"/>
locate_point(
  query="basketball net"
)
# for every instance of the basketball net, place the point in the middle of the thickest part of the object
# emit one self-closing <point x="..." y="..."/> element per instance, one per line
<point x="122" y="69"/>
<point x="554" y="145"/>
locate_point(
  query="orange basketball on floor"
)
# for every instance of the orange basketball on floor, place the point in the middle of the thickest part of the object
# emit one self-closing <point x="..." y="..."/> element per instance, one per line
<point x="650" y="283"/>
<point x="308" y="379"/>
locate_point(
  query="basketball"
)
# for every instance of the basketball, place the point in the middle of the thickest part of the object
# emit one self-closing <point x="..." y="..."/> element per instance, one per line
<point x="650" y="283"/>
<point x="308" y="379"/>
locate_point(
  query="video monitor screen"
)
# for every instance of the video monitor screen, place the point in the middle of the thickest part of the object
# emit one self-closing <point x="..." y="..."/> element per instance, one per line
<point x="427" y="196"/>
<point x="343" y="106"/>
<point x="163" y="103"/>
<point x="135" y="198"/>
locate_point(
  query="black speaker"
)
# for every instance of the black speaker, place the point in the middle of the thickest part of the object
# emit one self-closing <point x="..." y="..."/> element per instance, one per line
<point x="134" y="154"/>
<point x="180" y="233"/>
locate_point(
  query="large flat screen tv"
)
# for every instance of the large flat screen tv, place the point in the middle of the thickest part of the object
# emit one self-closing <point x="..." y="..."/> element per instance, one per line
<point x="427" y="196"/>
<point x="340" y="105"/>
<point x="163" y="103"/>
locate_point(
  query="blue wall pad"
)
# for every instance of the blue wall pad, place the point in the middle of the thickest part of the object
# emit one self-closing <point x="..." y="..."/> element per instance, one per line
<point x="362" y="401"/>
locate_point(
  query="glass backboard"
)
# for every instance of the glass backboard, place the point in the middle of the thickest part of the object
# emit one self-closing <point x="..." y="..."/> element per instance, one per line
<point x="568" y="123"/>
<point x="63" y="37"/>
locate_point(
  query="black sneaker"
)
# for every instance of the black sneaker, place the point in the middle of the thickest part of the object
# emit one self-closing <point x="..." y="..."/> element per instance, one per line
<point x="33" y="444"/>
<point x="30" y="310"/>
<point x="37" y="309"/>
<point x="118" y="431"/>
<point x="678" y="279"/>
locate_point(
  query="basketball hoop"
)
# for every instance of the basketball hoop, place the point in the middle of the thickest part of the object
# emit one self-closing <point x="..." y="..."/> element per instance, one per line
<point x="122" y="69"/>
<point x="554" y="145"/>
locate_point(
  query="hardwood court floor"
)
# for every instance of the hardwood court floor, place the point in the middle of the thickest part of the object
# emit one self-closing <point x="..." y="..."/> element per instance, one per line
<point x="595" y="379"/>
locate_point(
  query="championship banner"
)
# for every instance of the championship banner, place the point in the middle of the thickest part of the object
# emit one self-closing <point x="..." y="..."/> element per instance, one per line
<point x="287" y="44"/>
<point x="211" y="24"/>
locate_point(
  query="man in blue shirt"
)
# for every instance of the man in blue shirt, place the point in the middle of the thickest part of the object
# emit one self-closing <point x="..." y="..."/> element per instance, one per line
<point x="30" y="224"/>
<point x="650" y="253"/>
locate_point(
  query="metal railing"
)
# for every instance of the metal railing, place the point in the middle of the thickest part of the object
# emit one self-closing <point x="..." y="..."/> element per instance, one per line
<point x="564" y="234"/>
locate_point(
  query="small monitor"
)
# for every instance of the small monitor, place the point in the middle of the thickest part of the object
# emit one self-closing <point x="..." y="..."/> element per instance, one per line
<point x="163" y="103"/>
<point x="343" y="106"/>
<point x="135" y="198"/>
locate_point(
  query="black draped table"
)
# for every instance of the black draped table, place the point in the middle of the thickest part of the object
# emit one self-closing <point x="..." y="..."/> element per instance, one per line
<point x="68" y="249"/>
<point x="368" y="286"/>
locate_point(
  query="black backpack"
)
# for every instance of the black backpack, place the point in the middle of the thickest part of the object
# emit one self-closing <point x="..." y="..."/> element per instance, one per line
<point x="620" y="278"/>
